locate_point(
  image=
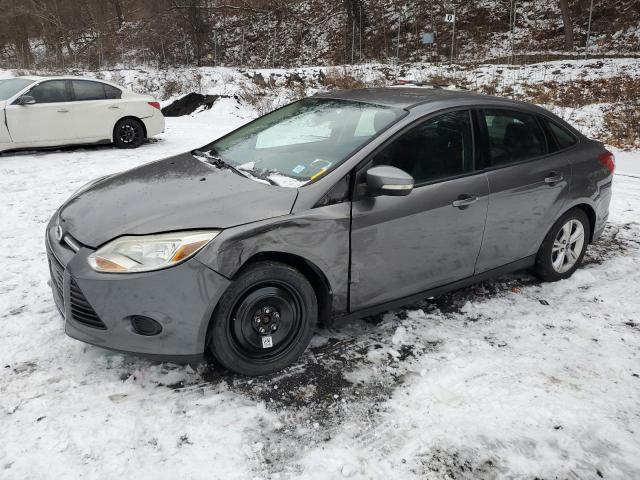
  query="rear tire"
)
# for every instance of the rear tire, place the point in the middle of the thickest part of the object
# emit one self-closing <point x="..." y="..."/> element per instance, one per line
<point x="128" y="133"/>
<point x="264" y="321"/>
<point x="563" y="248"/>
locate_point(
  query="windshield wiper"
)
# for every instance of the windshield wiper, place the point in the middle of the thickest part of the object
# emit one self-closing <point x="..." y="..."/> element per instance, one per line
<point x="211" y="159"/>
<point x="255" y="174"/>
<point x="218" y="162"/>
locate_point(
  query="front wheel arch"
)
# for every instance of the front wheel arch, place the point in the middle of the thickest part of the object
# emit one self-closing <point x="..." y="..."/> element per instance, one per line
<point x="312" y="273"/>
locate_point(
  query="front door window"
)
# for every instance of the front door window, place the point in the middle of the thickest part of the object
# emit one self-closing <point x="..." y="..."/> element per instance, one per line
<point x="439" y="148"/>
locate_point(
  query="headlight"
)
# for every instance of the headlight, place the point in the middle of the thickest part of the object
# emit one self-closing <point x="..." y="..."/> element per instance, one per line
<point x="130" y="254"/>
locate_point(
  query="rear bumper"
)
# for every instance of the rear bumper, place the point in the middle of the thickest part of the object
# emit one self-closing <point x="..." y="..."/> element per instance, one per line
<point x="154" y="125"/>
<point x="97" y="308"/>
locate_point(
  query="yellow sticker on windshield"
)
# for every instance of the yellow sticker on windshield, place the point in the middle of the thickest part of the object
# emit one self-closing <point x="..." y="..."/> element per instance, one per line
<point x="322" y="170"/>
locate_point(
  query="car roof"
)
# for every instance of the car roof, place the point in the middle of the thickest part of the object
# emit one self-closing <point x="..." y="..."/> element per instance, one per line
<point x="38" y="78"/>
<point x="408" y="97"/>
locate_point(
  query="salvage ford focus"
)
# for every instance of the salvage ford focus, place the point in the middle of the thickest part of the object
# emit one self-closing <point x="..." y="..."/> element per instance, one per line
<point x="338" y="205"/>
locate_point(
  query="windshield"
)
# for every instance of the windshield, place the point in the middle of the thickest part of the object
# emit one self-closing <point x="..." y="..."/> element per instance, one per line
<point x="302" y="141"/>
<point x="8" y="88"/>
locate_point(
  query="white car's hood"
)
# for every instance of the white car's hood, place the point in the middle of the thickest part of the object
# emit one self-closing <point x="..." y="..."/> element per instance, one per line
<point x="2" y="104"/>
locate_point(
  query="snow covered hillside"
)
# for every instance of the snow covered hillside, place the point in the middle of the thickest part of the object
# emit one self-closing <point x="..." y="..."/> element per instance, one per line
<point x="600" y="97"/>
<point x="507" y="379"/>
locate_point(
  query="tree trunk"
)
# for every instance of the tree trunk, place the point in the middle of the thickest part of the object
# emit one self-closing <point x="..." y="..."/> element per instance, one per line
<point x="118" y="8"/>
<point x="356" y="16"/>
<point x="568" y="25"/>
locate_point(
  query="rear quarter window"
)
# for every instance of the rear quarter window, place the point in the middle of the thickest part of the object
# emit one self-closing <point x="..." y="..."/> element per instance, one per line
<point x="564" y="138"/>
<point x="112" y="92"/>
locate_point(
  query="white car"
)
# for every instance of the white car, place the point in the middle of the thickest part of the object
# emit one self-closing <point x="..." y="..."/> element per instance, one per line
<point x="55" y="111"/>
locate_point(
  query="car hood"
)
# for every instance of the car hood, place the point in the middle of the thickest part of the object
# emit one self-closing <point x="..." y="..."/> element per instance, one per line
<point x="2" y="104"/>
<point x="178" y="193"/>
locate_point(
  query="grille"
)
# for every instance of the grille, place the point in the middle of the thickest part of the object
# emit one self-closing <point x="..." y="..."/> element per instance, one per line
<point x="81" y="311"/>
<point x="57" y="272"/>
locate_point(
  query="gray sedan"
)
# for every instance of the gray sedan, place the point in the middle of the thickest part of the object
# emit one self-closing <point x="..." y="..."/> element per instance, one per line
<point x="339" y="205"/>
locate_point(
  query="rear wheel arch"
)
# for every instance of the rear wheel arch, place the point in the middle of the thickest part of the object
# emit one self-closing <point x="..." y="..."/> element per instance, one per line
<point x="588" y="210"/>
<point x="558" y="242"/>
<point x="128" y="117"/>
<point x="591" y="215"/>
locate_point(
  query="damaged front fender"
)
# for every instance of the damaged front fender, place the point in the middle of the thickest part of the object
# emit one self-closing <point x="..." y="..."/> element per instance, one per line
<point x="320" y="236"/>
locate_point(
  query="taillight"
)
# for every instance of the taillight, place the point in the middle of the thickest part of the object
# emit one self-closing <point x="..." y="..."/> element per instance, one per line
<point x="155" y="104"/>
<point x="608" y="159"/>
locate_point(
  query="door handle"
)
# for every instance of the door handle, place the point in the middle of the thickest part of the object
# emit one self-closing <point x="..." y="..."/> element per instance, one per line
<point x="554" y="177"/>
<point x="63" y="110"/>
<point x="464" y="201"/>
<point x="114" y="107"/>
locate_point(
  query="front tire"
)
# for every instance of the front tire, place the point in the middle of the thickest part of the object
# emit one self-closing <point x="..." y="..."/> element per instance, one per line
<point x="563" y="248"/>
<point x="128" y="133"/>
<point x="264" y="321"/>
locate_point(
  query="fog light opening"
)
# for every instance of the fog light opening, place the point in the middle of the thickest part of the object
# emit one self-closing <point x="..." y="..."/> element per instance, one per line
<point x="145" y="326"/>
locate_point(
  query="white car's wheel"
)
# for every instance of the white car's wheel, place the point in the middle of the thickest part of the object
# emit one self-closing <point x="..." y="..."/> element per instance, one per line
<point x="128" y="133"/>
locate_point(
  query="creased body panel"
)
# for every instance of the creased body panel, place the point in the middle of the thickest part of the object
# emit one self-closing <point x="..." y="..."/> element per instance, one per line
<point x="405" y="245"/>
<point x="320" y="236"/>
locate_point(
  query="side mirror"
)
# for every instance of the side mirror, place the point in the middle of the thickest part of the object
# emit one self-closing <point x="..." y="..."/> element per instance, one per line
<point x="25" y="100"/>
<point x="390" y="181"/>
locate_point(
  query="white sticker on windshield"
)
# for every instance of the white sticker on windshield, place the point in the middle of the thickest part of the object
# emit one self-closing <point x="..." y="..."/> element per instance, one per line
<point x="298" y="169"/>
<point x="267" y="342"/>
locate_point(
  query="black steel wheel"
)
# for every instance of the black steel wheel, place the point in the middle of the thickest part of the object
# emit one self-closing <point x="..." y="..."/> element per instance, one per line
<point x="128" y="133"/>
<point x="264" y="320"/>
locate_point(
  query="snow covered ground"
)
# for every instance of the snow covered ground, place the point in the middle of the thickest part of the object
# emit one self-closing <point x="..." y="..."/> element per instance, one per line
<point x="507" y="379"/>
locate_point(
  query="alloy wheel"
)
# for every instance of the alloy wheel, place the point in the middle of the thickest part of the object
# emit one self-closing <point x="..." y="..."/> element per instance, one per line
<point x="127" y="133"/>
<point x="567" y="246"/>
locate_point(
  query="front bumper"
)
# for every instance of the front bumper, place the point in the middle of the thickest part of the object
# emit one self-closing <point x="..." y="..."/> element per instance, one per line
<point x="97" y="308"/>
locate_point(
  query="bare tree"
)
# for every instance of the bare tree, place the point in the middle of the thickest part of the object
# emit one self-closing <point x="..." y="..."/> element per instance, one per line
<point x="567" y="21"/>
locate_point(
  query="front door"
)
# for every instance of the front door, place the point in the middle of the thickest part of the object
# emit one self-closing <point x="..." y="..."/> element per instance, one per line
<point x="49" y="120"/>
<point x="528" y="187"/>
<point x="405" y="245"/>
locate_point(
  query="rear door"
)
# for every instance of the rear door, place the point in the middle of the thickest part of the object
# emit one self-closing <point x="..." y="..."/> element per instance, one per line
<point x="404" y="245"/>
<point x="49" y="120"/>
<point x="528" y="186"/>
<point x="96" y="109"/>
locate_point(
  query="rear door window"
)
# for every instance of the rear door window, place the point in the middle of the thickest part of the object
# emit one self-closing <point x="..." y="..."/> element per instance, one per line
<point x="85" y="90"/>
<point x="513" y="136"/>
<point x="51" y="91"/>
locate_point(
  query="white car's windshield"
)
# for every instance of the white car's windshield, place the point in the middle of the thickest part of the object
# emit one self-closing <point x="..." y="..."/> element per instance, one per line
<point x="8" y="88"/>
<point x="302" y="141"/>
